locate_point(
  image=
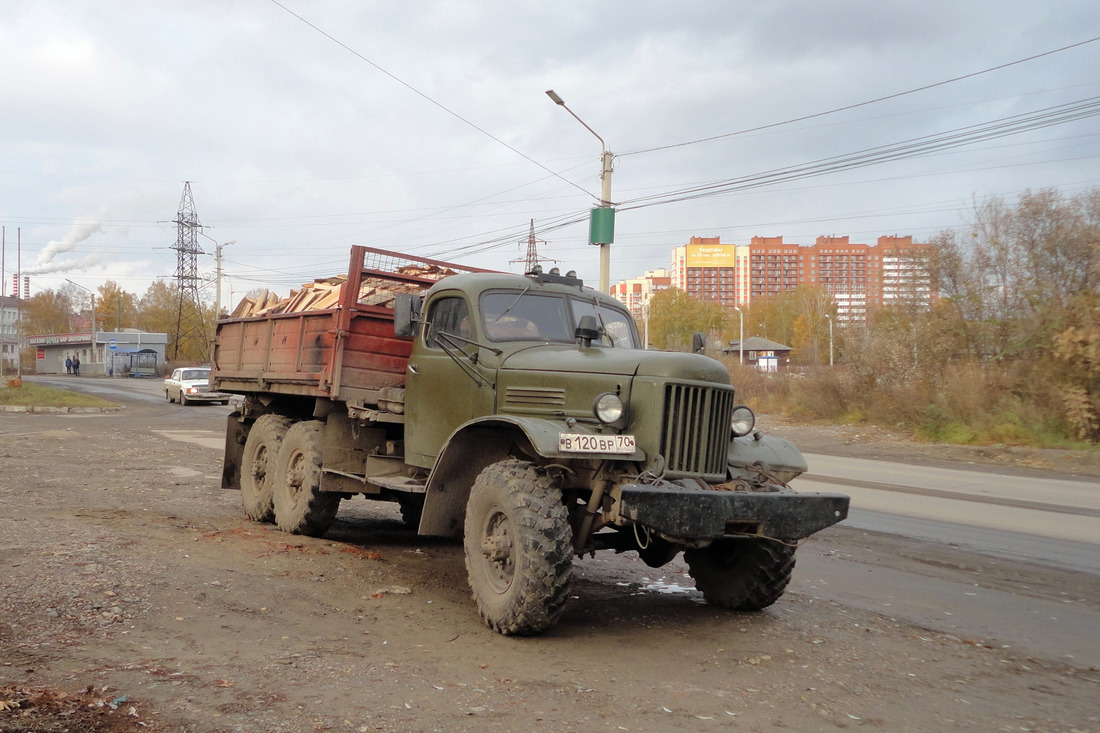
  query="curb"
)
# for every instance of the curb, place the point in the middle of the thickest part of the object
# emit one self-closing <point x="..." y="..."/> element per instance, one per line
<point x="38" y="410"/>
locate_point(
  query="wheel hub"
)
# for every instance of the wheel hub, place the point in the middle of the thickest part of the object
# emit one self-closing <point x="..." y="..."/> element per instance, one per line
<point x="498" y="548"/>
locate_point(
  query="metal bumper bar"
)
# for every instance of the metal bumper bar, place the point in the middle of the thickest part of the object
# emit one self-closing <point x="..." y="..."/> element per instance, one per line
<point x="698" y="514"/>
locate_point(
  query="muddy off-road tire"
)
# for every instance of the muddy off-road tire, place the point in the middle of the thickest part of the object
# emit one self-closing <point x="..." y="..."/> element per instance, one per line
<point x="519" y="548"/>
<point x="300" y="505"/>
<point x="742" y="575"/>
<point x="261" y="451"/>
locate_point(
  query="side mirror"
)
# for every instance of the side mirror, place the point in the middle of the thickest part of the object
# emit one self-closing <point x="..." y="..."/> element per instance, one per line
<point x="406" y="315"/>
<point x="587" y="330"/>
<point x="698" y="343"/>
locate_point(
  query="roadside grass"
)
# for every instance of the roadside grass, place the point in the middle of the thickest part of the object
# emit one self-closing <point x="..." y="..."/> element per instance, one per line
<point x="39" y="395"/>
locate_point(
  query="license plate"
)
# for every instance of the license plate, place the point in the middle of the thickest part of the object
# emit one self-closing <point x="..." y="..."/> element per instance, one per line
<point x="581" y="443"/>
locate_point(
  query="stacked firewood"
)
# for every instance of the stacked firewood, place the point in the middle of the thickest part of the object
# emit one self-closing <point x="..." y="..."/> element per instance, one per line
<point x="317" y="295"/>
<point x="325" y="293"/>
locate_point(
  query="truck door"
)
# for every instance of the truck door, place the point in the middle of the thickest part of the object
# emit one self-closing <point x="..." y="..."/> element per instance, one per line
<point x="444" y="386"/>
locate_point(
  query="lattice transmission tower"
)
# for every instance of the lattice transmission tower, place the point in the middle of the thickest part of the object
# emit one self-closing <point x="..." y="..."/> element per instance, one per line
<point x="532" y="257"/>
<point x="191" y="339"/>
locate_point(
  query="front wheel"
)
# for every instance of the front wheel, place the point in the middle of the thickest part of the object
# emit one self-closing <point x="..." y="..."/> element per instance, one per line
<point x="742" y="575"/>
<point x="183" y="399"/>
<point x="300" y="505"/>
<point x="519" y="548"/>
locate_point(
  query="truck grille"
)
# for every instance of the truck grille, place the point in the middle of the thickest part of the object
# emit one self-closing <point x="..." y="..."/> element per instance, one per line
<point x="696" y="433"/>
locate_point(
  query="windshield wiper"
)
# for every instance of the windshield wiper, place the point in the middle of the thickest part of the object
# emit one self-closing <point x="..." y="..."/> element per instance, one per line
<point x="505" y="311"/>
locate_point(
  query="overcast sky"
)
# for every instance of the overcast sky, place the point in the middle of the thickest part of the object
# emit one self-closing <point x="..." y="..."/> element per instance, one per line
<point x="307" y="127"/>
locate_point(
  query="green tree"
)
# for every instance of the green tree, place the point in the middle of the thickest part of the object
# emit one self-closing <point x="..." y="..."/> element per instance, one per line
<point x="674" y="316"/>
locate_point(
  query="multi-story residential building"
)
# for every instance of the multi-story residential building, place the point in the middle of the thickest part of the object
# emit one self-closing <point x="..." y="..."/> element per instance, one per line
<point x="857" y="276"/>
<point x="706" y="268"/>
<point x="635" y="293"/>
<point x="900" y="270"/>
<point x="9" y="336"/>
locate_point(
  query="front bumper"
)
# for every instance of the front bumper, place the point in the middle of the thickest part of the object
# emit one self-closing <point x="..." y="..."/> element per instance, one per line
<point x="207" y="396"/>
<point x="702" y="514"/>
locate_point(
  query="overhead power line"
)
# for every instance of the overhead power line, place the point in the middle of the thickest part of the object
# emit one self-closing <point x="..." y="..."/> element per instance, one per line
<point x="421" y="94"/>
<point x="913" y="147"/>
<point x="847" y="107"/>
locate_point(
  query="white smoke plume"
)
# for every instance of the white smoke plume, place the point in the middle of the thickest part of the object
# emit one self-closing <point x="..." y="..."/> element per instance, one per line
<point x="46" y="261"/>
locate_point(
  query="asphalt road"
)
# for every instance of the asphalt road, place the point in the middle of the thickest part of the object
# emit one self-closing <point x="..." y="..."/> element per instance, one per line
<point x="1046" y="521"/>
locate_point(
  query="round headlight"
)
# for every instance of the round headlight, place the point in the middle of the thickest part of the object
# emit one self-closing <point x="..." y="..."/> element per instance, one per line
<point x="743" y="421"/>
<point x="608" y="408"/>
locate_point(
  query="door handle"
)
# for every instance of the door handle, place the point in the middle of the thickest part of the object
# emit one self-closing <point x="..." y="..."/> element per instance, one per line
<point x="412" y="368"/>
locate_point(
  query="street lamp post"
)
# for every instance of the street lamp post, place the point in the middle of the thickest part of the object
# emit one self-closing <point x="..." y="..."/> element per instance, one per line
<point x="93" y="314"/>
<point x="741" y="337"/>
<point x="830" y="338"/>
<point x="602" y="224"/>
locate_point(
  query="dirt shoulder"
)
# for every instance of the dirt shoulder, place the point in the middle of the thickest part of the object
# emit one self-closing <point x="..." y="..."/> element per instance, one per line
<point x="136" y="587"/>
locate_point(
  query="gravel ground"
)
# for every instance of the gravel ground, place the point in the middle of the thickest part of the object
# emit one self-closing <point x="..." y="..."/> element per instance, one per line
<point x="136" y="596"/>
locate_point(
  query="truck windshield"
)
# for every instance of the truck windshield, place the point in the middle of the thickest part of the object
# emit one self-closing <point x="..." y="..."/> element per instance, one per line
<point x="522" y="316"/>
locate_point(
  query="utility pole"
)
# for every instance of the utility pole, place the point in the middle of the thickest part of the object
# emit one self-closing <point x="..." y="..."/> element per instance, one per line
<point x="218" y="278"/>
<point x="741" y="336"/>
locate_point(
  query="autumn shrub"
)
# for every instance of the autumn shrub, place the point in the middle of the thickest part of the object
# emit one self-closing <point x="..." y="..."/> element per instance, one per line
<point x="974" y="404"/>
<point x="820" y="394"/>
<point x="761" y="391"/>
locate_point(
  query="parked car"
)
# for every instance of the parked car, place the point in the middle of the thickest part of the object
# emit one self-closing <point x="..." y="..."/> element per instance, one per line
<point x="192" y="384"/>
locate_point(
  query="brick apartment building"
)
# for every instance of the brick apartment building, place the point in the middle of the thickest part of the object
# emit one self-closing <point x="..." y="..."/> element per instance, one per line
<point x="858" y="276"/>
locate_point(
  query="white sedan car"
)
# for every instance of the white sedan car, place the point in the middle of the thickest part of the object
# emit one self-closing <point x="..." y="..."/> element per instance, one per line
<point x="192" y="384"/>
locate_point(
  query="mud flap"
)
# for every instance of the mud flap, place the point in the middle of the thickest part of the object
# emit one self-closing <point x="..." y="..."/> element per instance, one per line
<point x="704" y="514"/>
<point x="236" y="432"/>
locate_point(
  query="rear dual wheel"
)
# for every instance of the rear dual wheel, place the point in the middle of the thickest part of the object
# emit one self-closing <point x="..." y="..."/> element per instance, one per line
<point x="300" y="505"/>
<point x="258" y="466"/>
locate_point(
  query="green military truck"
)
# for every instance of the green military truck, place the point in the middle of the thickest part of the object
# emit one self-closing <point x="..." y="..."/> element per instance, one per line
<point x="519" y="413"/>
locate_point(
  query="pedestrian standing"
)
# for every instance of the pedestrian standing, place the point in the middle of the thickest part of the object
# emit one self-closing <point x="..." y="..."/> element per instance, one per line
<point x="76" y="365"/>
<point x="68" y="365"/>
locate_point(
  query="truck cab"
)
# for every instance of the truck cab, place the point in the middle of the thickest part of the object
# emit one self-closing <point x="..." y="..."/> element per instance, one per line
<point x="539" y="381"/>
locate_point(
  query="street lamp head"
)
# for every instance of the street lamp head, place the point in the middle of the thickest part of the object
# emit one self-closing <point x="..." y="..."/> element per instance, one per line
<point x="231" y="241"/>
<point x="553" y="95"/>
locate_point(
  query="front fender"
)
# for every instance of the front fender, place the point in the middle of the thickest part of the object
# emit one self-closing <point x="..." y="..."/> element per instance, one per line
<point x="777" y="456"/>
<point x="481" y="442"/>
